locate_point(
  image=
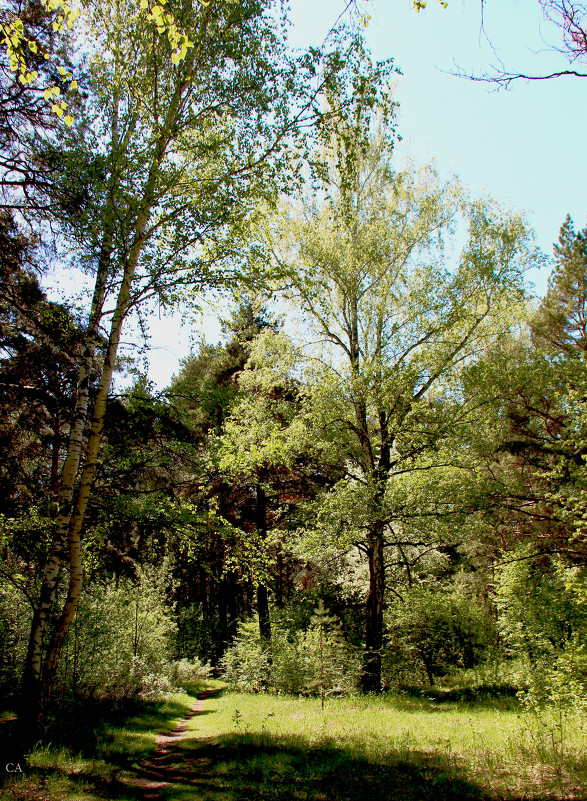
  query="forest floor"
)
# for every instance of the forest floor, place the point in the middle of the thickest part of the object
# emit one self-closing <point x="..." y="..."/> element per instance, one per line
<point x="215" y="745"/>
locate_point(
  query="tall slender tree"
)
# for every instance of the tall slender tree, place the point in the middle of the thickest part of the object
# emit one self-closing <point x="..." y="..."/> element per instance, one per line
<point x="172" y="154"/>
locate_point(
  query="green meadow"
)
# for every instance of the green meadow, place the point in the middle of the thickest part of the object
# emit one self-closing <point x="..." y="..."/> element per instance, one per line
<point x="248" y="746"/>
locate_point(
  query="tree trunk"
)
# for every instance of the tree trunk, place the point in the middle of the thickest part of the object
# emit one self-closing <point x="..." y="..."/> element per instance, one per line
<point x="92" y="449"/>
<point x="371" y="670"/>
<point x="83" y="494"/>
<point x="31" y="682"/>
<point x="70" y="520"/>
<point x="231" y="607"/>
<point x="262" y="598"/>
<point x="429" y="671"/>
<point x="263" y="612"/>
<point x="279" y="581"/>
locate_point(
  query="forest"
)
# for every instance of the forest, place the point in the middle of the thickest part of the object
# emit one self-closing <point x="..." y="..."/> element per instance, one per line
<point x="345" y="546"/>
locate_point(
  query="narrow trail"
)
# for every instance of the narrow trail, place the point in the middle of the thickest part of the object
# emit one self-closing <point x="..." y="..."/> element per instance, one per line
<point x="159" y="769"/>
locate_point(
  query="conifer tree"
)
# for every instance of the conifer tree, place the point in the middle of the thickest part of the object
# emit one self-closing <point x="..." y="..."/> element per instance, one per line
<point x="560" y="324"/>
<point x="329" y="664"/>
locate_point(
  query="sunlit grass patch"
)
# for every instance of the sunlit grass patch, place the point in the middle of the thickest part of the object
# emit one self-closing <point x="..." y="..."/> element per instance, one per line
<point x="490" y="747"/>
<point x="240" y="747"/>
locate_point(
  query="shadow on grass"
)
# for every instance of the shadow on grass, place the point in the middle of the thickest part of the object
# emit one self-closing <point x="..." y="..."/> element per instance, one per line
<point x="241" y="768"/>
<point x="503" y="697"/>
<point x="482" y="693"/>
<point x="122" y="766"/>
<point x="112" y="734"/>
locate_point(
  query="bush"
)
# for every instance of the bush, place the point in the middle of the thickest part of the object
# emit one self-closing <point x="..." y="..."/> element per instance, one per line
<point x="543" y="619"/>
<point x="246" y="665"/>
<point x="315" y="661"/>
<point x="288" y="667"/>
<point x="120" y="642"/>
<point x="330" y="665"/>
<point x="119" y="645"/>
<point x="432" y="632"/>
<point x="15" y="621"/>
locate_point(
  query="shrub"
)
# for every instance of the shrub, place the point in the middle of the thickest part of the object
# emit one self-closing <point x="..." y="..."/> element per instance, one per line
<point x="330" y="665"/>
<point x="246" y="665"/>
<point x="184" y="672"/>
<point x="432" y="632"/>
<point x="315" y="661"/>
<point x="120" y="642"/>
<point x="542" y="606"/>
<point x="15" y="619"/>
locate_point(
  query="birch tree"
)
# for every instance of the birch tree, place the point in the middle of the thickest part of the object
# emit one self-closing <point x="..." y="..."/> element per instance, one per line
<point x="171" y="156"/>
<point x="370" y="269"/>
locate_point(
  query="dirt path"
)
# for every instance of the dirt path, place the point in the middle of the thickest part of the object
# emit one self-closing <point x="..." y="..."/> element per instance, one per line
<point x="158" y="770"/>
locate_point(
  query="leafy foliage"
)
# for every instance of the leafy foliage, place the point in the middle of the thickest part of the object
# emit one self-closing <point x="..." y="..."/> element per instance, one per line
<point x="315" y="661"/>
<point x="543" y="617"/>
<point x="416" y="463"/>
<point x="437" y="631"/>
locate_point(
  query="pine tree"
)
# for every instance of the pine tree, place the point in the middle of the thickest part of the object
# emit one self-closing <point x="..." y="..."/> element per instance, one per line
<point x="330" y="666"/>
<point x="561" y="321"/>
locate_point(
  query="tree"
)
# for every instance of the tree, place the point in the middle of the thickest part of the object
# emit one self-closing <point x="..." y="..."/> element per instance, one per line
<point x="24" y="108"/>
<point x="207" y="385"/>
<point x="262" y="469"/>
<point x="534" y="434"/>
<point x="366" y="266"/>
<point x="560" y="324"/>
<point x="173" y="156"/>
<point x="530" y="446"/>
<point x="39" y="346"/>
<point x="559" y="330"/>
<point x="205" y="392"/>
<point x="328" y="660"/>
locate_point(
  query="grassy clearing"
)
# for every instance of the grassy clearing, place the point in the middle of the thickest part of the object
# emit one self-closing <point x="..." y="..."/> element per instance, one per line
<point x="383" y="748"/>
<point x="245" y="747"/>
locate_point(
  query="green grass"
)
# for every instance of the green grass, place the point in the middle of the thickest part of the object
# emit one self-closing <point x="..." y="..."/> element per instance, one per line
<point x="383" y="748"/>
<point x="245" y="747"/>
<point x="96" y="749"/>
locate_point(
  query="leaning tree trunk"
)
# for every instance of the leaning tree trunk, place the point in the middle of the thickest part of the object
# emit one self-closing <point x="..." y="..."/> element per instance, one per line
<point x="63" y="495"/>
<point x="72" y="513"/>
<point x="76" y="570"/>
<point x="57" y="557"/>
